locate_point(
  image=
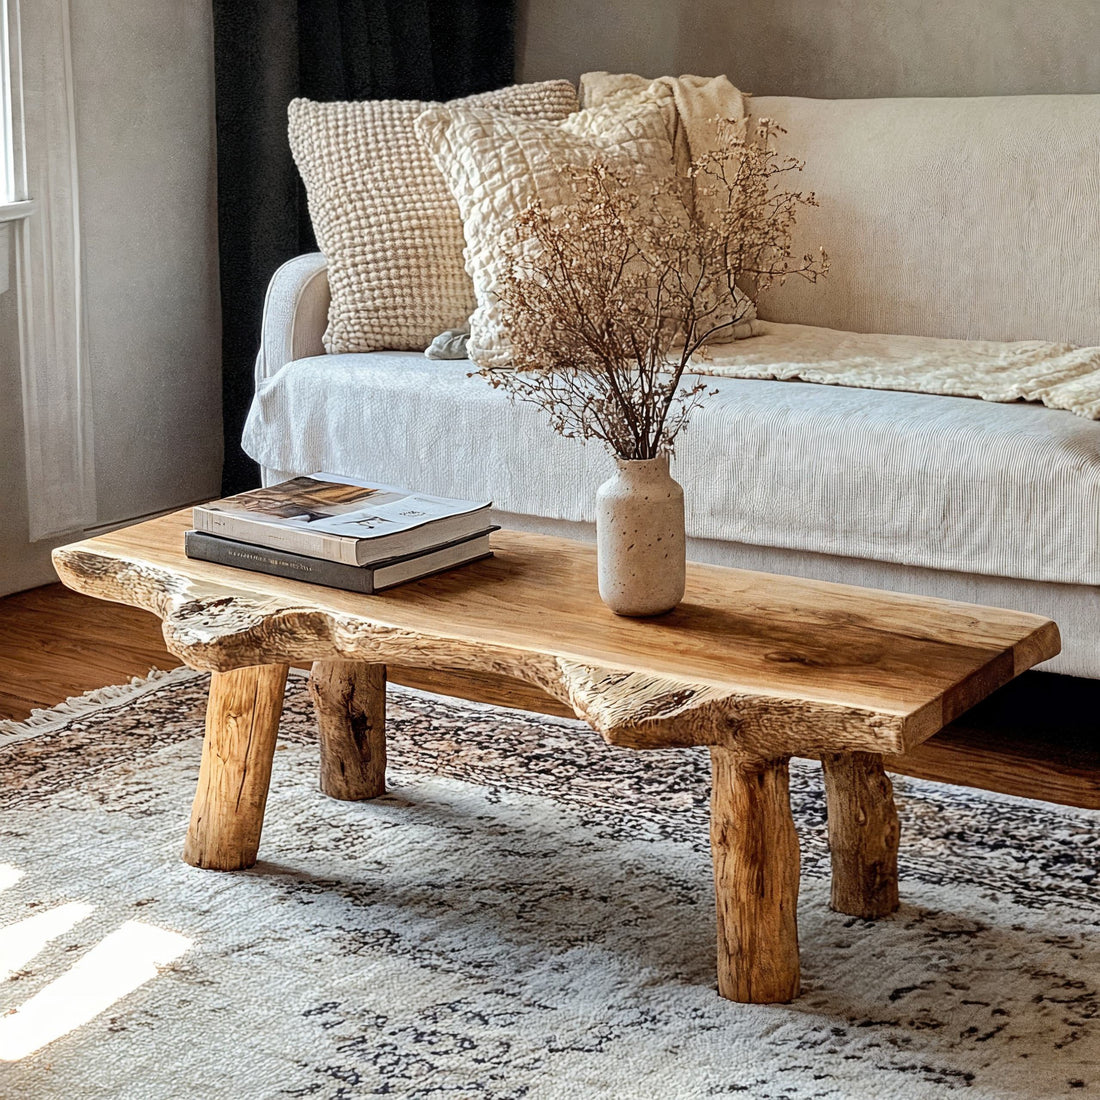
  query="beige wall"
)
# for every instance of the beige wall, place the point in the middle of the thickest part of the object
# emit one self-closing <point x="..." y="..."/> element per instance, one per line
<point x="825" y="48"/>
<point x="143" y="86"/>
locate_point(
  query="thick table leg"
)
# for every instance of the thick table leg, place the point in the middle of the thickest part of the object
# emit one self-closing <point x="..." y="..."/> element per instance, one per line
<point x="756" y="868"/>
<point x="350" y="700"/>
<point x="242" y="721"/>
<point x="863" y="834"/>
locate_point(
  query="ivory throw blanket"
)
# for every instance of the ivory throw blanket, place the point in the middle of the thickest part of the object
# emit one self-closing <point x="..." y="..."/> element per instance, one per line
<point x="695" y="108"/>
<point x="692" y="106"/>
<point x="1061" y="376"/>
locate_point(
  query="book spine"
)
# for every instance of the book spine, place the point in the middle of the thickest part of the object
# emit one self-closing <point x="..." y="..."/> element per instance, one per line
<point x="278" y="563"/>
<point x="312" y="544"/>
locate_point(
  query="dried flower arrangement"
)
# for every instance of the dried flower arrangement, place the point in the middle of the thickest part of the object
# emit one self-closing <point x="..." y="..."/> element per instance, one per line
<point x="607" y="299"/>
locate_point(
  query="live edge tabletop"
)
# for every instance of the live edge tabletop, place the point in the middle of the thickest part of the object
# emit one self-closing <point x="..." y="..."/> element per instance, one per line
<point x="758" y="667"/>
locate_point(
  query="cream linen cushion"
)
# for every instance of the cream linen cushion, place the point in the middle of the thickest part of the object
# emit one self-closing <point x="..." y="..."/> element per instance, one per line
<point x="385" y="218"/>
<point x="498" y="164"/>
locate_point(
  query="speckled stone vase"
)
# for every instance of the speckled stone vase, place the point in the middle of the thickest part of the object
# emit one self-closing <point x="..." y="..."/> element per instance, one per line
<point x="640" y="538"/>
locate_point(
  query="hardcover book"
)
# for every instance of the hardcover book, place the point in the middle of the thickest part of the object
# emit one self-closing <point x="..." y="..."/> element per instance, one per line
<point x="339" y="520"/>
<point x="366" y="579"/>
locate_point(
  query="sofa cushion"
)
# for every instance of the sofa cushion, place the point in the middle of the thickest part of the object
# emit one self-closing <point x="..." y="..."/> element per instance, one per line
<point x="954" y="483"/>
<point x="497" y="165"/>
<point x="384" y="217"/>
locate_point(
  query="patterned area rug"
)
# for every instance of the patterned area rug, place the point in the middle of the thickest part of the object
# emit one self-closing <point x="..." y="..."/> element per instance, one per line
<point x="528" y="913"/>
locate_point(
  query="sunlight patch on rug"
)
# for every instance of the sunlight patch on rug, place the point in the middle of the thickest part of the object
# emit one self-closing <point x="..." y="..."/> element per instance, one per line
<point x="9" y="875"/>
<point x="20" y="942"/>
<point x="114" y="968"/>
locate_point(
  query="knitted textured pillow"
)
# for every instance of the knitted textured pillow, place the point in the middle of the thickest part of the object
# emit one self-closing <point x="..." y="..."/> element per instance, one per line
<point x="385" y="218"/>
<point x="497" y="164"/>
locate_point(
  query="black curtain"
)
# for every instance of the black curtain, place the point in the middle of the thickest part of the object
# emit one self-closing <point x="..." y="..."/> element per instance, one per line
<point x="266" y="53"/>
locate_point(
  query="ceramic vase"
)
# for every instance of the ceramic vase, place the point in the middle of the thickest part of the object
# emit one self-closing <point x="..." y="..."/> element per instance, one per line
<point x="640" y="538"/>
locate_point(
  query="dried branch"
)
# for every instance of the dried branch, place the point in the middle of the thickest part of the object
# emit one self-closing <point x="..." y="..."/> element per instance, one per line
<point x="608" y="298"/>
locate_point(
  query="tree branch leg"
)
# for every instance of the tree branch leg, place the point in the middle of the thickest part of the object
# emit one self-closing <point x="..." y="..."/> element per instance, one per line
<point x="756" y="871"/>
<point x="863" y="834"/>
<point x="242" y="722"/>
<point x="349" y="698"/>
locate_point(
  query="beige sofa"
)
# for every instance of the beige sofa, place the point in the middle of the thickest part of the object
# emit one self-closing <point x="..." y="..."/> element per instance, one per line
<point x="967" y="218"/>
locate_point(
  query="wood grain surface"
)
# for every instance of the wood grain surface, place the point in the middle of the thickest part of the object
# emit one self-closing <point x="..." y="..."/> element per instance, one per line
<point x="349" y="699"/>
<point x="760" y="663"/>
<point x="863" y="835"/>
<point x="755" y="666"/>
<point x="756" y="871"/>
<point x="1037" y="737"/>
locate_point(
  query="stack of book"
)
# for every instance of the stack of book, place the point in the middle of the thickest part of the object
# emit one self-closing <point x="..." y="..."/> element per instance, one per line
<point x="340" y="533"/>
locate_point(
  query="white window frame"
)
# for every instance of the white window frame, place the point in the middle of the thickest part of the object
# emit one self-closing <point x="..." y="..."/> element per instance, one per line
<point x="14" y="200"/>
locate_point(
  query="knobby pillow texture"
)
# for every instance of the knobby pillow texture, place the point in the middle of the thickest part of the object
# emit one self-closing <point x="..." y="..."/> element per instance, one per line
<point x="497" y="164"/>
<point x="385" y="217"/>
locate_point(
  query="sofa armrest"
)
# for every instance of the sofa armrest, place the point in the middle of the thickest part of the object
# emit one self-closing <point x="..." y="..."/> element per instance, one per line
<point x="295" y="314"/>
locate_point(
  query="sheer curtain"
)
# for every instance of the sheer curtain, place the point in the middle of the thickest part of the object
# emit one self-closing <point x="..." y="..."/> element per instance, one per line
<point x="56" y="404"/>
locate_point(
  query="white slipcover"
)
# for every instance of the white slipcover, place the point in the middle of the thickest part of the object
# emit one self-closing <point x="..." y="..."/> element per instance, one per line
<point x="941" y="482"/>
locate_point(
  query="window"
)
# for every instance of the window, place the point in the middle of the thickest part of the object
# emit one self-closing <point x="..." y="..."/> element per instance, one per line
<point x="7" y="152"/>
<point x="13" y="183"/>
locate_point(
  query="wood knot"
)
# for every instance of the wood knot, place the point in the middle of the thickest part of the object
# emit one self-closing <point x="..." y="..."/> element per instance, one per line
<point x="789" y="657"/>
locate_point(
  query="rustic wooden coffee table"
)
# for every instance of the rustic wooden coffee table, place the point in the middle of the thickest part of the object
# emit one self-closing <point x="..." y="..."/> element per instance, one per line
<point x="757" y="667"/>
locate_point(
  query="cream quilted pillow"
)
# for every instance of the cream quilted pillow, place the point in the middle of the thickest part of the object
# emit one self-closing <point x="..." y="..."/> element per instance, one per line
<point x="385" y="218"/>
<point x="498" y="164"/>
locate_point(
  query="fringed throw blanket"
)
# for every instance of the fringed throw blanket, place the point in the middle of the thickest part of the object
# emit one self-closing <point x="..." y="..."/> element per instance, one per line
<point x="697" y="112"/>
<point x="1061" y="376"/>
<point x="694" y="106"/>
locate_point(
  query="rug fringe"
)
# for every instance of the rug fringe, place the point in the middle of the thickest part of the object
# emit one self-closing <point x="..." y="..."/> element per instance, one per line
<point x="47" y="719"/>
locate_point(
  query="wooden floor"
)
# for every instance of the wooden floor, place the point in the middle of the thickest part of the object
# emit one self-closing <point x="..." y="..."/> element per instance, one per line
<point x="1039" y="737"/>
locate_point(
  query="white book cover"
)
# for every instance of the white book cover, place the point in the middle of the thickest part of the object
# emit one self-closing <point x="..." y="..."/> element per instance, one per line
<point x="333" y="517"/>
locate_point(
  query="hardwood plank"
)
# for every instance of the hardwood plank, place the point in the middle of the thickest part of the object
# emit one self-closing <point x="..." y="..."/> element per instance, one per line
<point x="481" y="687"/>
<point x="993" y="763"/>
<point x="55" y="643"/>
<point x="832" y="667"/>
<point x="1038" y="737"/>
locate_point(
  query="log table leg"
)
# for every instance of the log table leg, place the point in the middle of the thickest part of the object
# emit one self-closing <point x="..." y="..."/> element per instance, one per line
<point x="863" y="834"/>
<point x="756" y="870"/>
<point x="242" y="721"/>
<point x="350" y="700"/>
